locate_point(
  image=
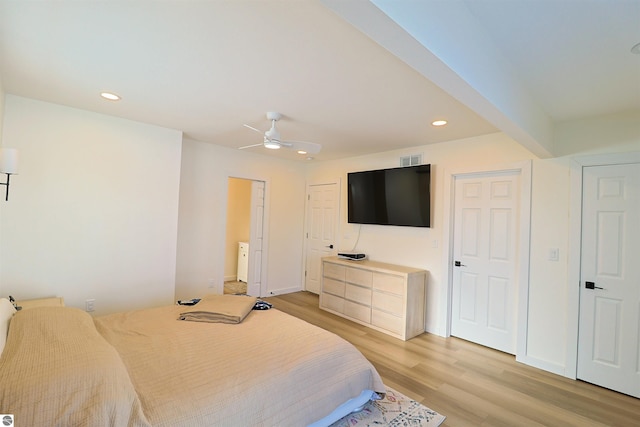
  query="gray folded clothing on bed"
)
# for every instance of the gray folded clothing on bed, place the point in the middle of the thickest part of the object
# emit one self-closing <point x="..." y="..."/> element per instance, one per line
<point x="220" y="309"/>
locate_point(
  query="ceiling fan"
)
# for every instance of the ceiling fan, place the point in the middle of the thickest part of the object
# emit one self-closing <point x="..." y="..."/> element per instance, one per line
<point x="273" y="140"/>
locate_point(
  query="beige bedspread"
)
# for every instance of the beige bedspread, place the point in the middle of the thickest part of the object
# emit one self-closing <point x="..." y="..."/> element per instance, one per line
<point x="56" y="370"/>
<point x="270" y="370"/>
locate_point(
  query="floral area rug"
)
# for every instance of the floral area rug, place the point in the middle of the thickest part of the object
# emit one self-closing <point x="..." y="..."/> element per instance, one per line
<point x="396" y="410"/>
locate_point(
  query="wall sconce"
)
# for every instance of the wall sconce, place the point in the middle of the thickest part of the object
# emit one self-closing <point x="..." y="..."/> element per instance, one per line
<point x="8" y="166"/>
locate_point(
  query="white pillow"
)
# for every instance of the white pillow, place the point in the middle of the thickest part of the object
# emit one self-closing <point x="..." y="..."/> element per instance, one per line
<point x="7" y="310"/>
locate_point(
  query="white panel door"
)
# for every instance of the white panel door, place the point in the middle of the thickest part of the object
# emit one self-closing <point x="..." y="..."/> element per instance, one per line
<point x="254" y="276"/>
<point x="322" y="223"/>
<point x="486" y="216"/>
<point x="609" y="328"/>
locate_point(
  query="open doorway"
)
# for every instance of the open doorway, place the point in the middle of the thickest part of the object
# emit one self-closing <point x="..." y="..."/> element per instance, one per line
<point x="237" y="236"/>
<point x="244" y="237"/>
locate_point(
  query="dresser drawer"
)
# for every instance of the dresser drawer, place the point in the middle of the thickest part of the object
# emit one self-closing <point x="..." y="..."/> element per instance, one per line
<point x="357" y="311"/>
<point x="359" y="277"/>
<point x="358" y="294"/>
<point x="387" y="321"/>
<point x="333" y="286"/>
<point x="389" y="283"/>
<point x="389" y="303"/>
<point x="332" y="302"/>
<point x="333" y="271"/>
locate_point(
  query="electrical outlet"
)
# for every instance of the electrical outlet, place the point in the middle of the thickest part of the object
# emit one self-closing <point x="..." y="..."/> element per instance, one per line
<point x="89" y="305"/>
<point x="554" y="254"/>
<point x="212" y="283"/>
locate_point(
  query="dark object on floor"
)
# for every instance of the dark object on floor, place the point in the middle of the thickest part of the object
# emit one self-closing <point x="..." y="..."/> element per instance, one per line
<point x="262" y="305"/>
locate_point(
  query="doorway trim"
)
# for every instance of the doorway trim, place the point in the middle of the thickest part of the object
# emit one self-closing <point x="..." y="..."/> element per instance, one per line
<point x="524" y="233"/>
<point x="575" y="242"/>
<point x="222" y="231"/>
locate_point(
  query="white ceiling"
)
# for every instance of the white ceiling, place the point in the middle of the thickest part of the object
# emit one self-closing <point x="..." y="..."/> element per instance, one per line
<point x="342" y="73"/>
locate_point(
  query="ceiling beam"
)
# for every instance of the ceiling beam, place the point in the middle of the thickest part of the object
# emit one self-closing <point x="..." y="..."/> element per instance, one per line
<point x="444" y="43"/>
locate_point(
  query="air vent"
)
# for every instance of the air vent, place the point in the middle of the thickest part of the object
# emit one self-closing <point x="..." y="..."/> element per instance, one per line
<point x="412" y="160"/>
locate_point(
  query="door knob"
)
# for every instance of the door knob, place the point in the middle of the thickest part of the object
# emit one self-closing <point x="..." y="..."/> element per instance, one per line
<point x="591" y="285"/>
<point x="330" y="246"/>
<point x="458" y="264"/>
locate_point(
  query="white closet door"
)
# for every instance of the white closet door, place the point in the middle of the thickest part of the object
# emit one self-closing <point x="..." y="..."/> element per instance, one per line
<point x="609" y="329"/>
<point x="486" y="217"/>
<point x="322" y="223"/>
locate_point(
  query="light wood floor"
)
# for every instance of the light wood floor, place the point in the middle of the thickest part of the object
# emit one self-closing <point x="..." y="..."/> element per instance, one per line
<point x="470" y="384"/>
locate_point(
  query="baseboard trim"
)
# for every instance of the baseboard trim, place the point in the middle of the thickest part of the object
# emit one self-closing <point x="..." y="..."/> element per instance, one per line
<point x="284" y="291"/>
<point x="545" y="365"/>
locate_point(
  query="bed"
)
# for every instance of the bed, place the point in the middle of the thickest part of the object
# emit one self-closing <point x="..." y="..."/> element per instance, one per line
<point x="60" y="366"/>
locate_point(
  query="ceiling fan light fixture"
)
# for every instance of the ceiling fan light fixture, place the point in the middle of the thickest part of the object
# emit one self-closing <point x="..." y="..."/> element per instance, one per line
<point x="302" y="152"/>
<point x="272" y="145"/>
<point x="439" y="122"/>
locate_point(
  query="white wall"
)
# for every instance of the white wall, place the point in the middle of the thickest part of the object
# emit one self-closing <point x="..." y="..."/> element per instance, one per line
<point x="2" y="96"/>
<point x="93" y="212"/>
<point x="548" y="280"/>
<point x="1" y="112"/>
<point x="202" y="219"/>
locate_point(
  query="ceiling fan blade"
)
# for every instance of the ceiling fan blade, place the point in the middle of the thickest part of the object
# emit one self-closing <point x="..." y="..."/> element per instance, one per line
<point x="252" y="128"/>
<point x="250" y="146"/>
<point x="309" y="147"/>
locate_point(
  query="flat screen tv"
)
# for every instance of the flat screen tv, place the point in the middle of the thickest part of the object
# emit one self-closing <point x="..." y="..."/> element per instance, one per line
<point x="397" y="196"/>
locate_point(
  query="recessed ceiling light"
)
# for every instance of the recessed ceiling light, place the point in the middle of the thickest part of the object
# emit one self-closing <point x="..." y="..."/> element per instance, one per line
<point x="636" y="49"/>
<point x="110" y="96"/>
<point x="302" y="152"/>
<point x="439" y="122"/>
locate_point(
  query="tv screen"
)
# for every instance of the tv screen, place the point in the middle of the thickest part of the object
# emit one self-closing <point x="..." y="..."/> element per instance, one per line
<point x="398" y="196"/>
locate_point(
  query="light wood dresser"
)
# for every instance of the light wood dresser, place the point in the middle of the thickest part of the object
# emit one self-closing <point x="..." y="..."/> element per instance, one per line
<point x="386" y="297"/>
